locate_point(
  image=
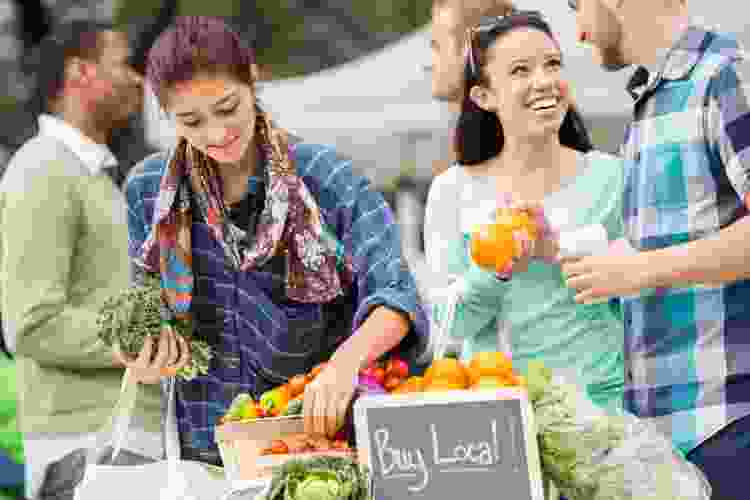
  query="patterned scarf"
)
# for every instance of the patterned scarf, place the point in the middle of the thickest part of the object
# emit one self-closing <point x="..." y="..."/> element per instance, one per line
<point x="289" y="225"/>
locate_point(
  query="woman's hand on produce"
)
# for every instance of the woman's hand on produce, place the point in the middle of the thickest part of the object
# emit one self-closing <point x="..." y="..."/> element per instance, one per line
<point x="156" y="361"/>
<point x="545" y="246"/>
<point x="327" y="398"/>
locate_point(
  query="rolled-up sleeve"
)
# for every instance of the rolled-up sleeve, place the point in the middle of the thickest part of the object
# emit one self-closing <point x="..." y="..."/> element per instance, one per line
<point x="371" y="244"/>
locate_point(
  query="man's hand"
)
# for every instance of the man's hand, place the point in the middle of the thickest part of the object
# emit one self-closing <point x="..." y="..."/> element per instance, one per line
<point x="602" y="277"/>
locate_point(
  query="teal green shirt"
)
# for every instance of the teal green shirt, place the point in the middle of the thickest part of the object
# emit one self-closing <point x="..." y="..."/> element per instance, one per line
<point x="535" y="308"/>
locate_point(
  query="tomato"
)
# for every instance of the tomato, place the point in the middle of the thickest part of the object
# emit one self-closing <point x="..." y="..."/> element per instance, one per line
<point x="340" y="444"/>
<point x="341" y="435"/>
<point x="279" y="448"/>
<point x="379" y="375"/>
<point x="391" y="383"/>
<point x="297" y="385"/>
<point x="398" y="368"/>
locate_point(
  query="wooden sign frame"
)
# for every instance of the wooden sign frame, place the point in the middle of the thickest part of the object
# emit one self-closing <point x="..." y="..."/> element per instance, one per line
<point x="530" y="444"/>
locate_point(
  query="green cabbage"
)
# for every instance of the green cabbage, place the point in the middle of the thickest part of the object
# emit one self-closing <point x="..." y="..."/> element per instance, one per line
<point x="589" y="455"/>
<point x="319" y="478"/>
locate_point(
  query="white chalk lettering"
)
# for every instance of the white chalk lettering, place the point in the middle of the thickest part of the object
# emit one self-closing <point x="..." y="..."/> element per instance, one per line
<point x="406" y="463"/>
<point x="476" y="453"/>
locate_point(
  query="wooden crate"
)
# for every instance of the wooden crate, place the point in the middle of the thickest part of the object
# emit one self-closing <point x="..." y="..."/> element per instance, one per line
<point x="241" y="444"/>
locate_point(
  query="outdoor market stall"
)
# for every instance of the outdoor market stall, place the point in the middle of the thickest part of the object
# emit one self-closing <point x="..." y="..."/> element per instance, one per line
<point x="475" y="425"/>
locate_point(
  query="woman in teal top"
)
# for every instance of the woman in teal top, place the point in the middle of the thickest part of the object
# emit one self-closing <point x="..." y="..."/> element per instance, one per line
<point x="540" y="153"/>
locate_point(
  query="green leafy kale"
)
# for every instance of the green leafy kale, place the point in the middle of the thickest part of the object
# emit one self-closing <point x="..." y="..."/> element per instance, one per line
<point x="131" y="316"/>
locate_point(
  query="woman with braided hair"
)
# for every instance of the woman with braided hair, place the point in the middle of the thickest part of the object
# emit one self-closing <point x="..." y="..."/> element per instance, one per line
<point x="279" y="254"/>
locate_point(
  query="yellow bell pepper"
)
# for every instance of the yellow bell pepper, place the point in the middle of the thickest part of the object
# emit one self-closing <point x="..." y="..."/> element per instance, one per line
<point x="275" y="401"/>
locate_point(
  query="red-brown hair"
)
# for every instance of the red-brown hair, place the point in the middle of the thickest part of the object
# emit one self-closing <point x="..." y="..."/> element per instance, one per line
<point x="195" y="44"/>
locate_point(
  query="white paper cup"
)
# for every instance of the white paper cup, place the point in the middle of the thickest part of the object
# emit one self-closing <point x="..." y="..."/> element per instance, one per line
<point x="588" y="240"/>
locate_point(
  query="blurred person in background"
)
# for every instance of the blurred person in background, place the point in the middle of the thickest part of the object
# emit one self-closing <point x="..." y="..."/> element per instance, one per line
<point x="34" y="20"/>
<point x="686" y="206"/>
<point x="450" y="19"/>
<point x="130" y="143"/>
<point x="63" y="227"/>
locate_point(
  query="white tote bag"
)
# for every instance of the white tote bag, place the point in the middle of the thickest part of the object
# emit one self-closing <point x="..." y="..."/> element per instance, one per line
<point x="170" y="479"/>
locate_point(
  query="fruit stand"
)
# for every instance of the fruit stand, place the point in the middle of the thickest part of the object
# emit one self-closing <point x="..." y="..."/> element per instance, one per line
<point x="257" y="438"/>
<point x="586" y="454"/>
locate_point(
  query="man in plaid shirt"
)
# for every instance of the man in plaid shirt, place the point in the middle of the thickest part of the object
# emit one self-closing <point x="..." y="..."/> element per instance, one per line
<point x="687" y="194"/>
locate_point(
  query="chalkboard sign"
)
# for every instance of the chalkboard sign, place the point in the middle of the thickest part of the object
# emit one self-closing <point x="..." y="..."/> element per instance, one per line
<point x="452" y="445"/>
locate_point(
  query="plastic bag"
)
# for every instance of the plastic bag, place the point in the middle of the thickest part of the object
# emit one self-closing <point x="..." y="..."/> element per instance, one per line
<point x="589" y="455"/>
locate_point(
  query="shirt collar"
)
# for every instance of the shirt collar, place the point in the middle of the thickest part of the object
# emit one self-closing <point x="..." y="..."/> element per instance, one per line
<point x="95" y="156"/>
<point x="676" y="62"/>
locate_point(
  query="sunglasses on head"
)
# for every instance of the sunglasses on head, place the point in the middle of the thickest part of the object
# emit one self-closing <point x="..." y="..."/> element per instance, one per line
<point x="487" y="24"/>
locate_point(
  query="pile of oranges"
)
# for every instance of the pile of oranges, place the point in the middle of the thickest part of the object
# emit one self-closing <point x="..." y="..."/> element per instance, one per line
<point x="492" y="245"/>
<point x="487" y="370"/>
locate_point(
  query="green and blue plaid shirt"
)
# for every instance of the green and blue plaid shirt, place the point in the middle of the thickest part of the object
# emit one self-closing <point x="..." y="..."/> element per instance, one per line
<point x="687" y="175"/>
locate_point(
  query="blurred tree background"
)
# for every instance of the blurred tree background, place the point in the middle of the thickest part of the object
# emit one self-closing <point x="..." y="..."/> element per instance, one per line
<point x="296" y="37"/>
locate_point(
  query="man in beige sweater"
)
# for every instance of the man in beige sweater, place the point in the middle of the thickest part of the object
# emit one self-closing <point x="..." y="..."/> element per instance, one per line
<point x="450" y="20"/>
<point x="63" y="234"/>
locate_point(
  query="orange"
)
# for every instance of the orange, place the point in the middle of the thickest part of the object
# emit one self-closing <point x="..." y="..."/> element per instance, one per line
<point x="483" y="248"/>
<point x="442" y="386"/>
<point x="446" y="370"/>
<point x="490" y="363"/>
<point x="492" y="247"/>
<point x="489" y="382"/>
<point x="516" y="381"/>
<point x="412" y="384"/>
<point x="515" y="220"/>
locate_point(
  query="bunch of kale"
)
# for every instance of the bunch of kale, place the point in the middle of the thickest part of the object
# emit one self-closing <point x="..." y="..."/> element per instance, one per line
<point x="128" y="318"/>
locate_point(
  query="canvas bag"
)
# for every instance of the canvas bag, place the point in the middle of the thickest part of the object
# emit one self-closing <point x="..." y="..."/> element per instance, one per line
<point x="170" y="479"/>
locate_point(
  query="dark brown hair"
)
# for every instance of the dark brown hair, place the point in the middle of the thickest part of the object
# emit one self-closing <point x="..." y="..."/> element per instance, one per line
<point x="479" y="133"/>
<point x="47" y="62"/>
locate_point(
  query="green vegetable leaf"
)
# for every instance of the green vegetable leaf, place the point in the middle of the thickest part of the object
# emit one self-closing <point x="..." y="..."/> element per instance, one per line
<point x="294" y="407"/>
<point x="131" y="316"/>
<point x="320" y="478"/>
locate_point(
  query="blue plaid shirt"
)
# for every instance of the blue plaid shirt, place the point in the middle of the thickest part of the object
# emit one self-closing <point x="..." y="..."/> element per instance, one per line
<point x="687" y="175"/>
<point x="261" y="338"/>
